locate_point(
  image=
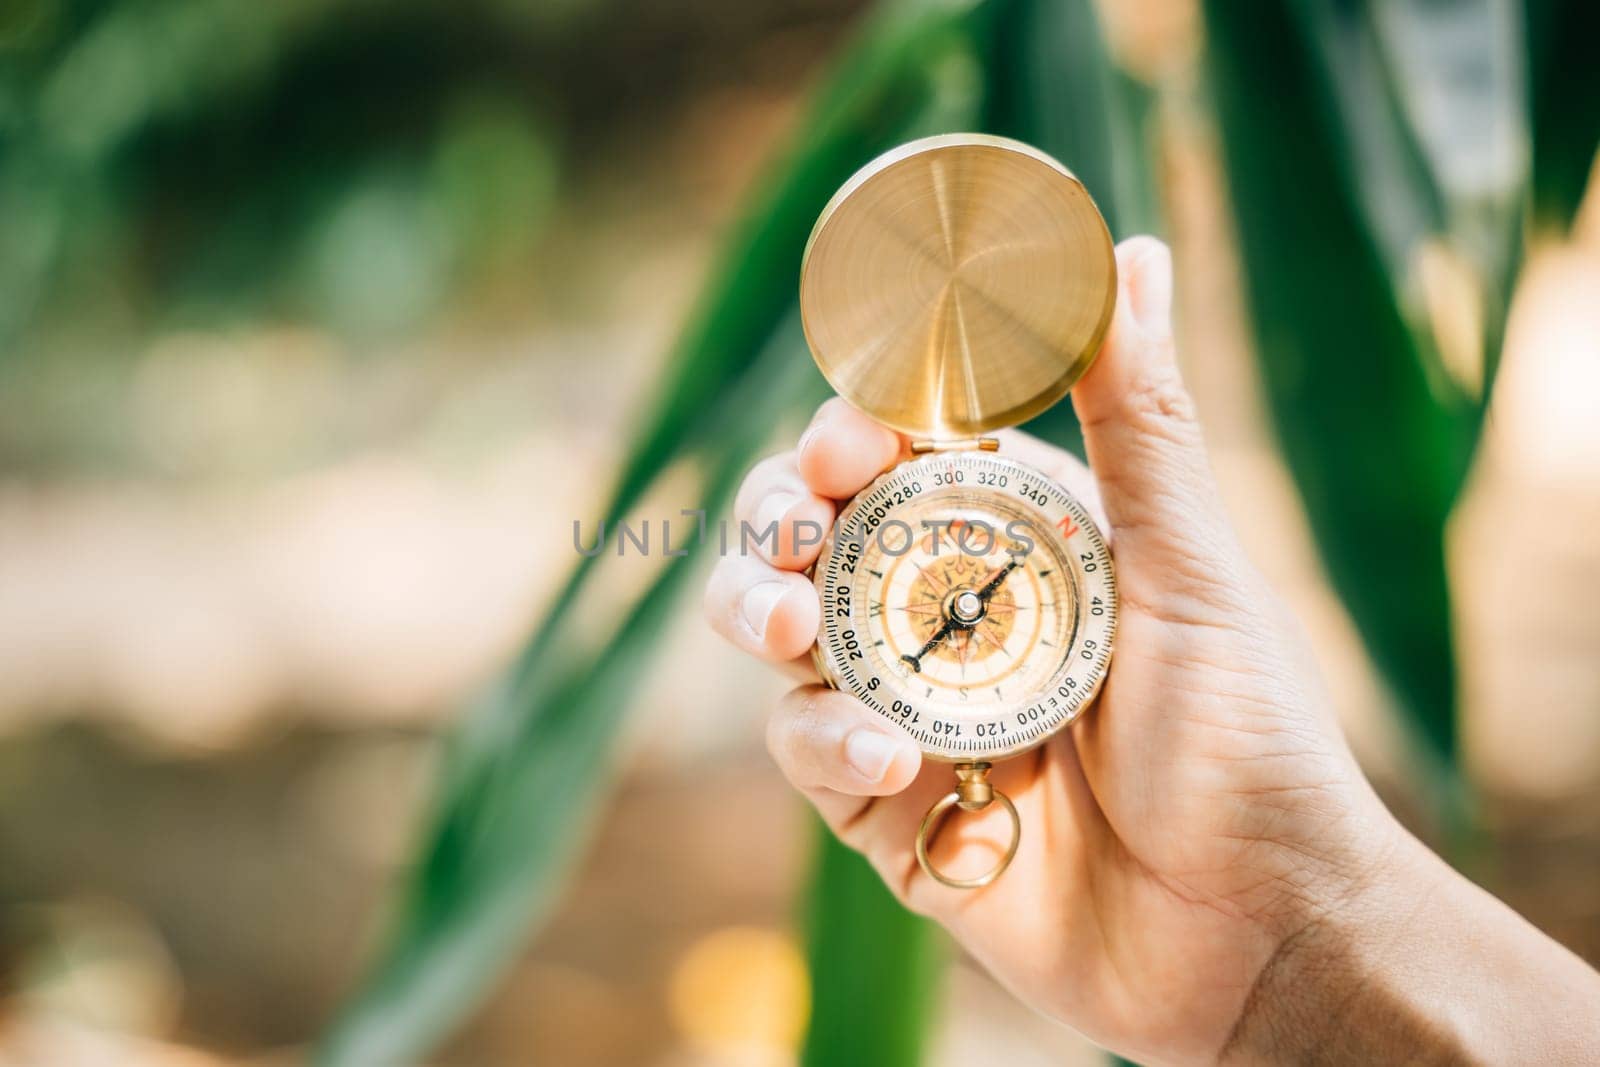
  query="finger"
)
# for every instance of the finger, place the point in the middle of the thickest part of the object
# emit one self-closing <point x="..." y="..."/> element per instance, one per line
<point x="823" y="739"/>
<point x="802" y="669"/>
<point x="768" y="612"/>
<point x="868" y="781"/>
<point x="872" y="793"/>
<point x="1142" y="434"/>
<point x="884" y="830"/>
<point x="842" y="450"/>
<point x="780" y="518"/>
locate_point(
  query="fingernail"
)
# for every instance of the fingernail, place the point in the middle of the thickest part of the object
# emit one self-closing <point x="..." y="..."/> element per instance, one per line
<point x="772" y="510"/>
<point x="870" y="753"/>
<point x="759" y="602"/>
<point x="1152" y="290"/>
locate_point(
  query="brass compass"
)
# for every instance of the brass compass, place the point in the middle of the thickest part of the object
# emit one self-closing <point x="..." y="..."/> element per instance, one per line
<point x="955" y="285"/>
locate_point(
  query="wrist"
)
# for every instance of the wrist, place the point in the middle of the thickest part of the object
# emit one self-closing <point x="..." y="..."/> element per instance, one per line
<point x="1418" y="965"/>
<point x="1333" y="991"/>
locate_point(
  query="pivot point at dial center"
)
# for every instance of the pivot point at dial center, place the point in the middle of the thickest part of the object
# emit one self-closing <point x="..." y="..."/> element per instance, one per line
<point x="966" y="607"/>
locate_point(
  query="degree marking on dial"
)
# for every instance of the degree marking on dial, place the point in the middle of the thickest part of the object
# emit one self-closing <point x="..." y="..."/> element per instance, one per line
<point x="1036" y="719"/>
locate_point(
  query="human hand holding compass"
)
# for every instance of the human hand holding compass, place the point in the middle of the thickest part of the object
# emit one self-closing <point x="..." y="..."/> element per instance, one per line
<point x="1208" y="875"/>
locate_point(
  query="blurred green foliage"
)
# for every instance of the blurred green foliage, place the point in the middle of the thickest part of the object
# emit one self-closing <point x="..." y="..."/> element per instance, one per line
<point x="1564" y="87"/>
<point x="875" y="967"/>
<point x="197" y="160"/>
<point x="1396" y="131"/>
<point x="1378" y="454"/>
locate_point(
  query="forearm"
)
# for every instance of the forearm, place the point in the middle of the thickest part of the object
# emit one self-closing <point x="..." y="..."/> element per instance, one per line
<point x="1423" y="967"/>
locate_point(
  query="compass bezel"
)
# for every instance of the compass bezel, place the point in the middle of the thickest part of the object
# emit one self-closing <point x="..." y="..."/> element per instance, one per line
<point x="1016" y="726"/>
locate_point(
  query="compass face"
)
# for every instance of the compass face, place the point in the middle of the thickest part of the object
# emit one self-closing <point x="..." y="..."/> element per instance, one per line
<point x="970" y="599"/>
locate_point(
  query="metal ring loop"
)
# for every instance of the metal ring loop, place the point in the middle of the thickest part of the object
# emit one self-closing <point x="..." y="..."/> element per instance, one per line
<point x="931" y="820"/>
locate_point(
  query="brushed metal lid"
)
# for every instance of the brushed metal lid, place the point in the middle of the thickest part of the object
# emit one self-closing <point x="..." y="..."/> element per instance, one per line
<point x="957" y="284"/>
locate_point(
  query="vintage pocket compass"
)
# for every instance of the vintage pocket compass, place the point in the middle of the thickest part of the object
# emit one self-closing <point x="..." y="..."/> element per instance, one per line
<point x="955" y="285"/>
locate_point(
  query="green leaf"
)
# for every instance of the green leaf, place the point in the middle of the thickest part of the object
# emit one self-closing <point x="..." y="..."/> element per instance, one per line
<point x="1564" y="81"/>
<point x="1377" y="456"/>
<point x="1053" y="85"/>
<point x="875" y="967"/>
<point x="1050" y="85"/>
<point x="1425" y="104"/>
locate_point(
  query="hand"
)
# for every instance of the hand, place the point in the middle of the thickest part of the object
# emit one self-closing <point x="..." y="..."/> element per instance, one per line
<point x="1201" y="835"/>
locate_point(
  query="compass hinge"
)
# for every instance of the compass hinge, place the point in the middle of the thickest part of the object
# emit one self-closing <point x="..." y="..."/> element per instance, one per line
<point x="960" y="444"/>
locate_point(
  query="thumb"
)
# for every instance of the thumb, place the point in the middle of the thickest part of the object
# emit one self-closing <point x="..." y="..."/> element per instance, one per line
<point x="1143" y="437"/>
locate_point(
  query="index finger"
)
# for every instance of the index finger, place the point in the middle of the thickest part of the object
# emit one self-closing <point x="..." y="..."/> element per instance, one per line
<point x="842" y="450"/>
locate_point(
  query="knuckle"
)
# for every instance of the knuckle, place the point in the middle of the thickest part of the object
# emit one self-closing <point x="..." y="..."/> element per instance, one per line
<point x="791" y="734"/>
<point x="1159" y="401"/>
<point x="782" y="728"/>
<point x="778" y="730"/>
<point x="731" y="578"/>
<point x="759" y="480"/>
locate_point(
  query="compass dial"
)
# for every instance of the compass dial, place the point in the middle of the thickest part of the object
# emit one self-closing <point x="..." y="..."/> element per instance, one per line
<point x="970" y="599"/>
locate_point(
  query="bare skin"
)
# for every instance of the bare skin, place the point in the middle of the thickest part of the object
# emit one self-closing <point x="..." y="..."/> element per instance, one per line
<point x="1206" y="874"/>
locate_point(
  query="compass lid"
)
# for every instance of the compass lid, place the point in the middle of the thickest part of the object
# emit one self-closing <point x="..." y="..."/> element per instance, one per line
<point x="957" y="284"/>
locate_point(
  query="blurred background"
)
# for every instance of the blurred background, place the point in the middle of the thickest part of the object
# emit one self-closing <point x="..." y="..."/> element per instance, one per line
<point x="321" y="321"/>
